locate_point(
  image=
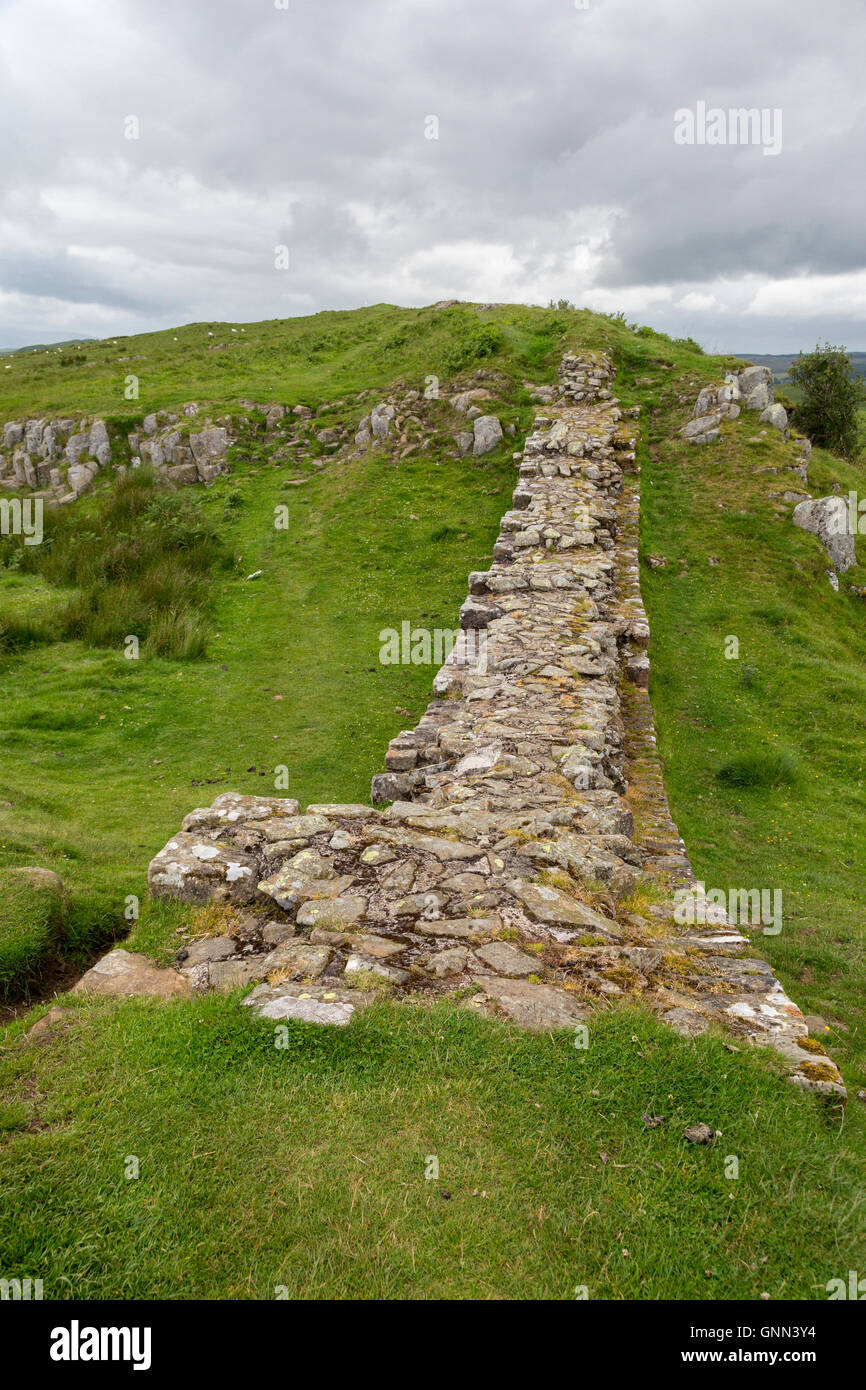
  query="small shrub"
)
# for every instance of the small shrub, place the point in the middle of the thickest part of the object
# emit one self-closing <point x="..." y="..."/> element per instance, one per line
<point x="18" y="633"/>
<point x="832" y="396"/>
<point x="770" y="768"/>
<point x="484" y="341"/>
<point x="690" y="345"/>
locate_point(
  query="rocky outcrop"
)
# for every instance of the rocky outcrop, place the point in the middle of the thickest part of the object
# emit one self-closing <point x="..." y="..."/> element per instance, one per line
<point x="60" y="459"/>
<point x="750" y="389"/>
<point x="507" y="868"/>
<point x="828" y="519"/>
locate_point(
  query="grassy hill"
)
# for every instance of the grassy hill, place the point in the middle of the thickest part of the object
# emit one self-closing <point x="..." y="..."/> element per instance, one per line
<point x="305" y="1168"/>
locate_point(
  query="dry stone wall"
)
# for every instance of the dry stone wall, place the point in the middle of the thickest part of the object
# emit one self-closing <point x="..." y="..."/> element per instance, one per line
<point x="527" y="863"/>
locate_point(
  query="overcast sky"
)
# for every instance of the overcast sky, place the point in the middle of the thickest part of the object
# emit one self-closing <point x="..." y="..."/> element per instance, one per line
<point x="556" y="172"/>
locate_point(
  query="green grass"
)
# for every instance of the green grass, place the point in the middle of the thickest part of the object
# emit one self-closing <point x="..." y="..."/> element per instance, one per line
<point x="301" y="360"/>
<point x="304" y="1167"/>
<point x="31" y="923"/>
<point x="763" y="753"/>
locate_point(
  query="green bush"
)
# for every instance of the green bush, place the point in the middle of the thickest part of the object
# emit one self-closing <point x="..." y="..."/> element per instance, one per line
<point x="482" y="342"/>
<point x="832" y="396"/>
<point x="31" y="922"/>
<point x="758" y="768"/>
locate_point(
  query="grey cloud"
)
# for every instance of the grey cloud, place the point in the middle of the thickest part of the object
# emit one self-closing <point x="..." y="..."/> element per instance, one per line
<point x="306" y="126"/>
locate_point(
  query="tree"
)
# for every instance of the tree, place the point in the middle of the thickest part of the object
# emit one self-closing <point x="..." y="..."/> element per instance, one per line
<point x="832" y="396"/>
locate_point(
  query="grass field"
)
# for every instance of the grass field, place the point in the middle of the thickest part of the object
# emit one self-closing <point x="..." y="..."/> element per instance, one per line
<point x="304" y="1168"/>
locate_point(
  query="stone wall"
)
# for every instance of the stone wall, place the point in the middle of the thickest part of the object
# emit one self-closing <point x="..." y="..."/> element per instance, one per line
<point x="527" y="862"/>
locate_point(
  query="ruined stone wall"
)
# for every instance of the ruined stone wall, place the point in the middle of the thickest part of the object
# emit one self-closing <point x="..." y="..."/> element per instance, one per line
<point x="528" y="860"/>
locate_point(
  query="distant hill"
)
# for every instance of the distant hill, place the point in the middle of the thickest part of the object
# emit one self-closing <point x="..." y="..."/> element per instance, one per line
<point x="780" y="362"/>
<point x="42" y="347"/>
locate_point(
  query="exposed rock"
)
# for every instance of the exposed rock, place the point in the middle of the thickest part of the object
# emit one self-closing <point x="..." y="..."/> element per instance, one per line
<point x="310" y="1004"/>
<point x="506" y="959"/>
<point x="827" y="518"/>
<point x="703" y="425"/>
<point x="487" y="434"/>
<point x="538" y="1008"/>
<point x="552" y="906"/>
<point x="464" y="399"/>
<point x="450" y="962"/>
<point x="338" y="912"/>
<point x="777" y="416"/>
<point x="193" y="870"/>
<point x="298" y="957"/>
<point x="206" y="949"/>
<point x="125" y="973"/>
<point x="359" y="962"/>
<point x="509" y="794"/>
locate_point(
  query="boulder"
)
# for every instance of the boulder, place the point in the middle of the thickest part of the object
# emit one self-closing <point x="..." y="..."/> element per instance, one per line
<point x="464" y="399"/>
<point x="753" y="378"/>
<point x="124" y="973"/>
<point x="707" y="400"/>
<point x="77" y="445"/>
<point x="80" y="476"/>
<point x="759" y="398"/>
<point x="465" y="442"/>
<point x="777" y="416"/>
<point x="380" y="421"/>
<point x="183" y="473"/>
<point x="828" y="519"/>
<point x="702" y="425"/>
<point x="487" y="434"/>
<point x="209" y="444"/>
<point x="100" y="445"/>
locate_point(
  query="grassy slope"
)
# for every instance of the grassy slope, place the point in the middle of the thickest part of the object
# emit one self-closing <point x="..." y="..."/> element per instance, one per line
<point x="797" y="690"/>
<point x="305" y="1167"/>
<point x="302" y="360"/>
<point x="102" y="756"/>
